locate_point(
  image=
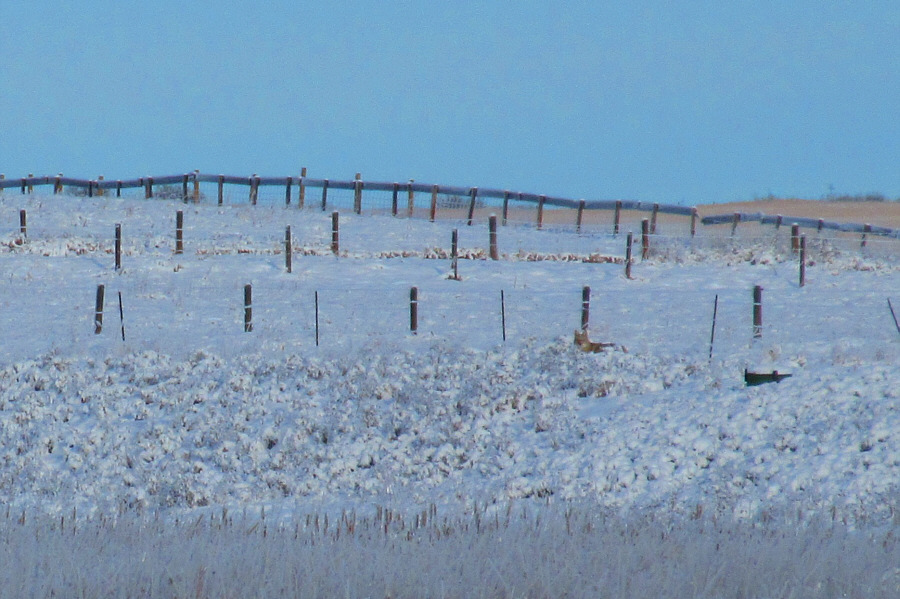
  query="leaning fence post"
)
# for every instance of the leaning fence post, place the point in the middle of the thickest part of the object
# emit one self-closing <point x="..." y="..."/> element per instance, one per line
<point x="179" y="232"/>
<point x="645" y="239"/>
<point x="288" y="249"/>
<point x="540" y="212"/>
<point x="585" y="307"/>
<point x="335" y="232"/>
<point x="629" y="240"/>
<point x="802" y="260"/>
<point x="98" y="310"/>
<point x="118" y="246"/>
<point x="414" y="310"/>
<point x="757" y="311"/>
<point x="23" y="223"/>
<point x="492" y="237"/>
<point x="473" y="194"/>
<point x="248" y="308"/>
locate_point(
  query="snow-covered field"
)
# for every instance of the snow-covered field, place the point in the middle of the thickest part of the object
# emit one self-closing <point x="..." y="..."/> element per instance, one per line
<point x="144" y="442"/>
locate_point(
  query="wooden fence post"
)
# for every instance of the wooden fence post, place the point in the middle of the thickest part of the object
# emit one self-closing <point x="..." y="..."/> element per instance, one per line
<point x="335" y="232"/>
<point x="617" y="216"/>
<point x="454" y="253"/>
<point x="3" y="178"/>
<point x="118" y="246"/>
<point x="411" y="200"/>
<point x="579" y="216"/>
<point x="357" y="194"/>
<point x="179" y="232"/>
<point x="795" y="238"/>
<point x="394" y="199"/>
<point x="57" y="184"/>
<point x="778" y="221"/>
<point x="629" y="240"/>
<point x="734" y="222"/>
<point x="324" y="194"/>
<point x="757" y="311"/>
<point x="694" y="216"/>
<point x="505" y="206"/>
<point x="184" y="187"/>
<point x="867" y="228"/>
<point x="540" y="212"/>
<point x="585" y="307"/>
<point x="287" y="191"/>
<point x="23" y="223"/>
<point x="433" y="211"/>
<point x="99" y="189"/>
<point x="196" y="185"/>
<point x="221" y="188"/>
<point x="802" y="260"/>
<point x="90" y="189"/>
<point x="254" y="189"/>
<point x="492" y="237"/>
<point x="414" y="310"/>
<point x="288" y="249"/>
<point x="653" y="216"/>
<point x="148" y="188"/>
<point x="248" y="308"/>
<point x="98" y="310"/>
<point x="301" y="200"/>
<point x="645" y="239"/>
<point x="118" y="188"/>
<point x="30" y="183"/>
<point x="473" y="194"/>
<point x="503" y="314"/>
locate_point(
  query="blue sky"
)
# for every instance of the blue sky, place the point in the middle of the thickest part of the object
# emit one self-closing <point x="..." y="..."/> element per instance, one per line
<point x="676" y="102"/>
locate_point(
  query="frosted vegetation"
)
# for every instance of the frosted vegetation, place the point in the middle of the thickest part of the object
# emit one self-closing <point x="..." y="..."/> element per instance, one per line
<point x="194" y="459"/>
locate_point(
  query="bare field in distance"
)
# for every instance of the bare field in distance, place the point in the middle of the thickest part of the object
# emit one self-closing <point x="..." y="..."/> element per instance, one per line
<point x="885" y="214"/>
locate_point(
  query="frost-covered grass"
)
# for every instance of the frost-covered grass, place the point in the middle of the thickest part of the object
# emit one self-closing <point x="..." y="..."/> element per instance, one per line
<point x="517" y="550"/>
<point x="646" y="470"/>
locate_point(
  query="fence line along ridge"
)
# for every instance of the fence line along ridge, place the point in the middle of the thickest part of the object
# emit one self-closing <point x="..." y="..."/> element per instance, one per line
<point x="190" y="189"/>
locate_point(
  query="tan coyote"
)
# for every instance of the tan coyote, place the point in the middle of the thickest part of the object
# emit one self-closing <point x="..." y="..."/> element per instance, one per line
<point x="585" y="344"/>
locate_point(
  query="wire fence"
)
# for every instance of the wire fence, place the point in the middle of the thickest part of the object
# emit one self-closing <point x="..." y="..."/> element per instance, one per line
<point x="430" y="201"/>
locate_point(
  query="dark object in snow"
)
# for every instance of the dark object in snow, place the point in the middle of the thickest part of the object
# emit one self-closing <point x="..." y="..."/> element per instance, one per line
<point x="759" y="378"/>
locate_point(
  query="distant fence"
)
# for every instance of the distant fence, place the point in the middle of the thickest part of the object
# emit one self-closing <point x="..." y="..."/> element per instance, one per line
<point x="402" y="199"/>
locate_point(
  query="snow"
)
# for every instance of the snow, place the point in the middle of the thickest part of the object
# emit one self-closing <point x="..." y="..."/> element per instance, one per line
<point x="191" y="413"/>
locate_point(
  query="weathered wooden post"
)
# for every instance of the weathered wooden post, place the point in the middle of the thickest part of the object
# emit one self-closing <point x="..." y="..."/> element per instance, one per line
<point x="118" y="246"/>
<point x="98" y="310"/>
<point x="324" y="194"/>
<point x="585" y="307"/>
<point x="432" y="212"/>
<point x="221" y="188"/>
<point x="617" y="215"/>
<point x="23" y="223"/>
<point x="505" y="206"/>
<point x="694" y="216"/>
<point x="57" y="184"/>
<point x="288" y="249"/>
<point x="645" y="239"/>
<point x="289" y="183"/>
<point x="357" y="194"/>
<point x="99" y="189"/>
<point x="579" y="216"/>
<point x="653" y="216"/>
<point x="867" y="228"/>
<point x="148" y="188"/>
<point x="335" y="232"/>
<point x="454" y="253"/>
<point x="254" y="189"/>
<point x="394" y="194"/>
<point x="629" y="240"/>
<point x="802" y="260"/>
<point x="757" y="311"/>
<point x="411" y="200"/>
<point x="30" y="183"/>
<point x="179" y="232"/>
<point x="734" y="222"/>
<point x="473" y="195"/>
<point x="196" y="185"/>
<point x="540" y="212"/>
<point x="414" y="310"/>
<point x="492" y="237"/>
<point x="184" y="187"/>
<point x="301" y="199"/>
<point x="795" y="238"/>
<point x="248" y="308"/>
